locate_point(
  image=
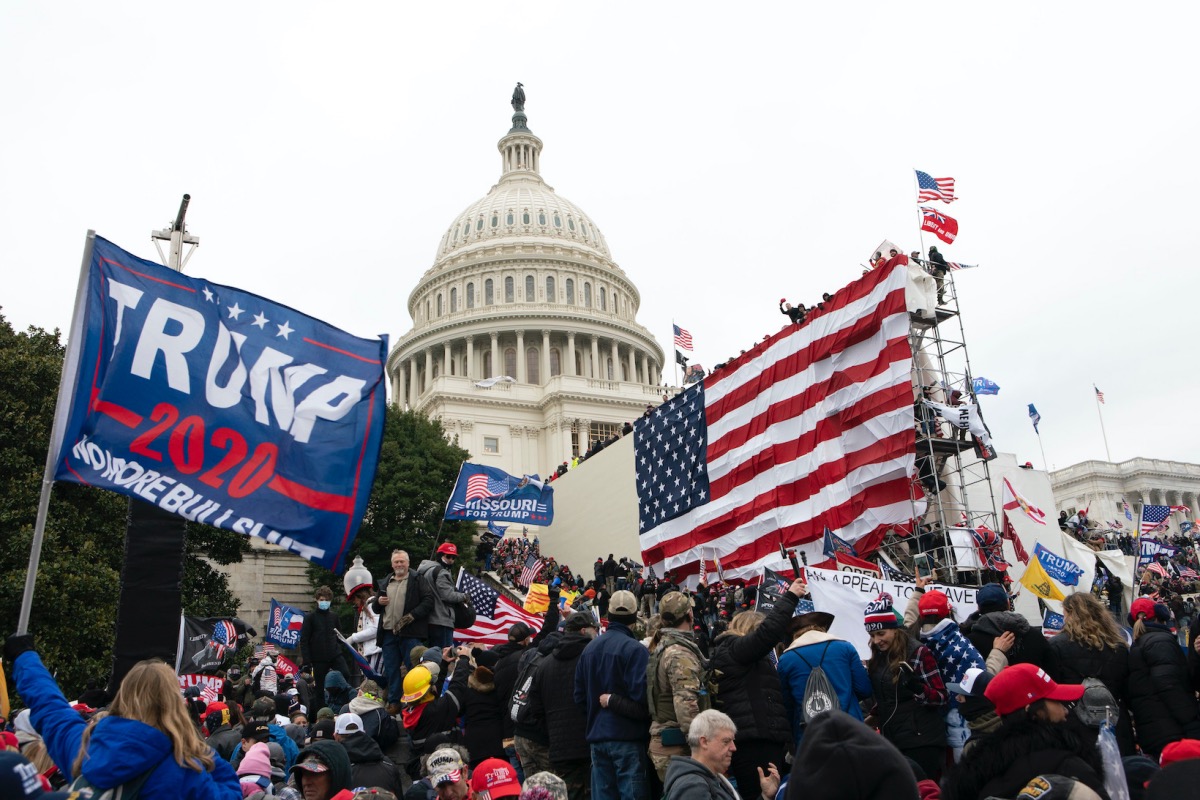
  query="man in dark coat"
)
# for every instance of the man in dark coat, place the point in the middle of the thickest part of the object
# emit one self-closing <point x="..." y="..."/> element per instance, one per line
<point x="550" y="699"/>
<point x="322" y="770"/>
<point x="939" y="268"/>
<point x="610" y="574"/>
<point x="319" y="644"/>
<point x="512" y="655"/>
<point x="994" y="618"/>
<point x="368" y="766"/>
<point x="403" y="602"/>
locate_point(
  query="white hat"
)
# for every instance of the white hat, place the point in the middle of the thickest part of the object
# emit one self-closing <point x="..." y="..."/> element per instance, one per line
<point x="348" y="723"/>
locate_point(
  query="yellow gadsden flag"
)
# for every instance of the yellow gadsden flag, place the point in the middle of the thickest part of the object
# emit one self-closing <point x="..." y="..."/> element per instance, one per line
<point x="538" y="598"/>
<point x="1037" y="581"/>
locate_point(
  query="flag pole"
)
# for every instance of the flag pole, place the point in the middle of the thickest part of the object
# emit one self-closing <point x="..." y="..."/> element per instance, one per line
<point x="1045" y="464"/>
<point x="1100" y="414"/>
<point x="674" y="351"/>
<point x="62" y="408"/>
<point x="920" y="219"/>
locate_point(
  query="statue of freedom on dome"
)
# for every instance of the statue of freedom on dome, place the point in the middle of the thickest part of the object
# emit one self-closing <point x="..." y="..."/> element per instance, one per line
<point x="518" y="98"/>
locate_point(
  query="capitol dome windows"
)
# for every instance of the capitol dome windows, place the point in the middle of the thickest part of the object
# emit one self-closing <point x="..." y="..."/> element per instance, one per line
<point x="571" y="224"/>
<point x="509" y="219"/>
<point x="489" y="297"/>
<point x="555" y="362"/>
<point x="557" y="221"/>
<point x="487" y="364"/>
<point x="510" y="361"/>
<point x="587" y="295"/>
<point x="570" y="287"/>
<point x="470" y="295"/>
<point x="525" y="217"/>
<point x="542" y="218"/>
<point x="479" y="224"/>
<point x="603" y="301"/>
<point x="583" y="226"/>
<point x="495" y="220"/>
<point x="466" y="230"/>
<point x="530" y="289"/>
<point x="439" y="304"/>
<point x="453" y="299"/>
<point x="510" y="291"/>
<point x="550" y="295"/>
<point x="533" y="366"/>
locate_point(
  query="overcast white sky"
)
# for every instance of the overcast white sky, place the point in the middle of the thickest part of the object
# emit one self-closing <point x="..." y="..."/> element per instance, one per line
<point x="731" y="153"/>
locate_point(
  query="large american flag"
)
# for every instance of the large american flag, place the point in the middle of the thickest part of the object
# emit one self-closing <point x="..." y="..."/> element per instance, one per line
<point x="682" y="338"/>
<point x="929" y="188"/>
<point x="811" y="428"/>
<point x="533" y="565"/>
<point x="480" y="487"/>
<point x="494" y="613"/>
<point x="1153" y="518"/>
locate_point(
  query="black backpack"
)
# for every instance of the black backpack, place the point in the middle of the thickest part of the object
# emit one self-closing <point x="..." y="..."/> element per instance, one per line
<point x="518" y="704"/>
<point x="819" y="694"/>
<point x="389" y="731"/>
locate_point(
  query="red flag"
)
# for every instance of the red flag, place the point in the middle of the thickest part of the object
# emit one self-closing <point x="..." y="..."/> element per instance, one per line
<point x="940" y="225"/>
<point x="1010" y="533"/>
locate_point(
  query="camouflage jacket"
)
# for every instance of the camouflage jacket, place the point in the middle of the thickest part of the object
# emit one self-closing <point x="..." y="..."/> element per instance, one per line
<point x="673" y="681"/>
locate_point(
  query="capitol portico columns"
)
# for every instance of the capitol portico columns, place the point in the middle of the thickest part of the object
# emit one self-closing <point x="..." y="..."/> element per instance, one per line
<point x="545" y="358"/>
<point x="428" y="369"/>
<point x="495" y="356"/>
<point x="400" y="389"/>
<point x="616" y="363"/>
<point x="470" y="357"/>
<point x="569" y="369"/>
<point x="595" y="371"/>
<point x="446" y="358"/>
<point x="520" y="376"/>
<point x="645" y="372"/>
<point x="412" y="383"/>
<point x="632" y="376"/>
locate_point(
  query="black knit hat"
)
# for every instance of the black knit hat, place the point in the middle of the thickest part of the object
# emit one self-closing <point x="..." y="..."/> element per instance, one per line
<point x="842" y="759"/>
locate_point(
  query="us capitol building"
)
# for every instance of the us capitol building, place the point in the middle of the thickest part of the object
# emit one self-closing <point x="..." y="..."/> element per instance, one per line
<point x="525" y="341"/>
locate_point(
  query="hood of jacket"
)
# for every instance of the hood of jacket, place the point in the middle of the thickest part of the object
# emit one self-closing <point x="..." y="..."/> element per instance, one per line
<point x="364" y="705"/>
<point x="361" y="749"/>
<point x="122" y="749"/>
<point x="995" y="623"/>
<point x="841" y="757"/>
<point x="336" y="681"/>
<point x="570" y="646"/>
<point x="681" y="768"/>
<point x="424" y="568"/>
<point x="812" y="637"/>
<point x="1010" y="744"/>
<point x="334" y="755"/>
<point x="482" y="680"/>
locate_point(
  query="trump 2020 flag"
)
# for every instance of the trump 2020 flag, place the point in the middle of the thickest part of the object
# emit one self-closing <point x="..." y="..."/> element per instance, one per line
<point x="984" y="386"/>
<point x="284" y="625"/>
<point x="222" y="406"/>
<point x="488" y="493"/>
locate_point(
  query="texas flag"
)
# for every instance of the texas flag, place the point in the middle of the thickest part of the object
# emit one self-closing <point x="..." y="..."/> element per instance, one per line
<point x="940" y="225"/>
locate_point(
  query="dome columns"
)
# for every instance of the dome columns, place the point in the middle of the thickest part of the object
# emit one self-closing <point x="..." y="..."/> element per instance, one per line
<point x="470" y="357"/>
<point x="595" y="370"/>
<point x="521" y="376"/>
<point x="569" y="368"/>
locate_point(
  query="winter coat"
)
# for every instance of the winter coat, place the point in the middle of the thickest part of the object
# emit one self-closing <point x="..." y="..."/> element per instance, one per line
<point x="550" y="697"/>
<point x="418" y="601"/>
<point x="748" y="684"/>
<point x="334" y="756"/>
<point x="533" y="724"/>
<point x="614" y="663"/>
<point x="510" y="654"/>
<point x="1071" y="661"/>
<point x="224" y="739"/>
<point x="842" y="666"/>
<point x="1002" y="762"/>
<point x="688" y="779"/>
<point x="337" y="691"/>
<point x="1160" y="695"/>
<point x="905" y="722"/>
<point x="445" y="596"/>
<point x="439" y="715"/>
<point x="368" y="767"/>
<point x="1030" y="646"/>
<point x="120" y="749"/>
<point x="318" y="642"/>
<point x="483" y="712"/>
<point x="291" y="750"/>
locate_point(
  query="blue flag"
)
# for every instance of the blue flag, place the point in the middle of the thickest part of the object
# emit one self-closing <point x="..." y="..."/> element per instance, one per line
<point x="1052" y="624"/>
<point x="284" y="624"/>
<point x="492" y="494"/>
<point x="221" y="406"/>
<point x="835" y="544"/>
<point x="1035" y="417"/>
<point x="496" y="530"/>
<point x="1063" y="570"/>
<point x="984" y="386"/>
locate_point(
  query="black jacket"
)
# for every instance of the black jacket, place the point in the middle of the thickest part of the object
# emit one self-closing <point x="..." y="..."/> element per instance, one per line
<point x="1071" y="662"/>
<point x="748" y="687"/>
<point x="551" y="697"/>
<point x="1002" y="762"/>
<point x="1160" y="692"/>
<point x="418" y="601"/>
<point x="368" y="767"/>
<point x="440" y="715"/>
<point x="610" y="568"/>
<point x="533" y="726"/>
<point x="905" y="722"/>
<point x="1029" y="648"/>
<point x="483" y="713"/>
<point x="318" y="642"/>
<point x="509" y="664"/>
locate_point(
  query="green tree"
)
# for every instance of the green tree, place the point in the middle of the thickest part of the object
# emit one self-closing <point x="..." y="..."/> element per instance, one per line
<point x="416" y="474"/>
<point x="78" y="582"/>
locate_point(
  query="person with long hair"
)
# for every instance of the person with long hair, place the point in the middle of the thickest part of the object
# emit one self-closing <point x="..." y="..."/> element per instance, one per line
<point x="1092" y="646"/>
<point x="1160" y="692"/>
<point x="910" y="696"/>
<point x="146" y="738"/>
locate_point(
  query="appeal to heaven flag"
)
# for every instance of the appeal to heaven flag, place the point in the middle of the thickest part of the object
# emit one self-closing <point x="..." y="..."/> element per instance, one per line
<point x="940" y="225"/>
<point x="812" y="427"/>
<point x="488" y="493"/>
<point x="1037" y="581"/>
<point x="221" y="406"/>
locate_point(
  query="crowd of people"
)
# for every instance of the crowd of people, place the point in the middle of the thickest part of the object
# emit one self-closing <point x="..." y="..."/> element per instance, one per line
<point x="645" y="690"/>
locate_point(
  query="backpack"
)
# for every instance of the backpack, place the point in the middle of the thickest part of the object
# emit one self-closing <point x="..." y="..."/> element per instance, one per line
<point x="518" y="704"/>
<point x="707" y="696"/>
<point x="126" y="791"/>
<point x="819" y="694"/>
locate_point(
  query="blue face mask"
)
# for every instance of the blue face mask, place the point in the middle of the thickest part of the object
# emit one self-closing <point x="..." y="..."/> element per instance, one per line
<point x="324" y="604"/>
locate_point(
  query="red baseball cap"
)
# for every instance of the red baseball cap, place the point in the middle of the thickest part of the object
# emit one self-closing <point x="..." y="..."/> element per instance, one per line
<point x="448" y="548"/>
<point x="1179" y="751"/>
<point x="495" y="778"/>
<point x="1022" y="685"/>
<point x="934" y="603"/>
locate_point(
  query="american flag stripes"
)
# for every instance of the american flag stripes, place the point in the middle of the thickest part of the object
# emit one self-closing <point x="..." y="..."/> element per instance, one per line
<point x="533" y="565"/>
<point x="1154" y="518"/>
<point x="683" y="339"/>
<point x="955" y="265"/>
<point x="930" y="188"/>
<point x="811" y="428"/>
<point x="1189" y="574"/>
<point x="494" y="613"/>
<point x="1099" y="394"/>
<point x="482" y="486"/>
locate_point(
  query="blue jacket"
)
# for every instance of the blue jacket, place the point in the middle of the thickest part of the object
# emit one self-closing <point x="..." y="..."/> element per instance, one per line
<point x="120" y="749"/>
<point x="842" y="666"/>
<point x="614" y="663"/>
<point x="278" y="735"/>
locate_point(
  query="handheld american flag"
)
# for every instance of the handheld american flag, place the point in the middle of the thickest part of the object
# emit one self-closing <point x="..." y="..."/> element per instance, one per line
<point x="1154" y="518"/>
<point x="812" y="427"/>
<point x="494" y="614"/>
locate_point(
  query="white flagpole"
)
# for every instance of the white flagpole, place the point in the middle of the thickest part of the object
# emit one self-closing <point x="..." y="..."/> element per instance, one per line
<point x="675" y="352"/>
<point x="920" y="217"/>
<point x="1102" y="432"/>
<point x="1045" y="464"/>
<point x="62" y="408"/>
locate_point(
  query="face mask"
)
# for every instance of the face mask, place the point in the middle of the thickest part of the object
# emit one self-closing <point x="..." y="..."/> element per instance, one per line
<point x="324" y="604"/>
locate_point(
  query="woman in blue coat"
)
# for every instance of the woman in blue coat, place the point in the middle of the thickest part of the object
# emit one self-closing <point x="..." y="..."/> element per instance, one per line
<point x="812" y="645"/>
<point x="146" y="735"/>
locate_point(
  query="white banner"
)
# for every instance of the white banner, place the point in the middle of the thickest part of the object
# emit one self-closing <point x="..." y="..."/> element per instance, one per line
<point x="846" y="594"/>
<point x="1114" y="561"/>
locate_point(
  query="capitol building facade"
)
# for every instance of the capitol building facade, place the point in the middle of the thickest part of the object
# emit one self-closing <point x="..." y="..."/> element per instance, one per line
<point x="525" y="341"/>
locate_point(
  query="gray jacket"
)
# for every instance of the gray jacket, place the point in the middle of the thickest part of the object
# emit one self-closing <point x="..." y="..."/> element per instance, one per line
<point x="688" y="779"/>
<point x="445" y="596"/>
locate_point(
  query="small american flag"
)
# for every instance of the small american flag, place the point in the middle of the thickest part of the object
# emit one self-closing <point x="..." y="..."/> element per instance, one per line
<point x="683" y="339"/>
<point x="494" y="614"/>
<point x="1189" y="574"/>
<point x="480" y="487"/>
<point x="209" y="693"/>
<point x="1153" y="518"/>
<point x="1157" y="569"/>
<point x="929" y="188"/>
<point x="956" y="265"/>
<point x="1099" y="394"/>
<point x="1181" y="509"/>
<point x="533" y="565"/>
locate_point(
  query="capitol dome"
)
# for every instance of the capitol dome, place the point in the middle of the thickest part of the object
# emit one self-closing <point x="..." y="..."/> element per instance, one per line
<point x="525" y="340"/>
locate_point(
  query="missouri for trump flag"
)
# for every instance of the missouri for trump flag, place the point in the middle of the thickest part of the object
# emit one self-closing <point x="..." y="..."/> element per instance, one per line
<point x="813" y="428"/>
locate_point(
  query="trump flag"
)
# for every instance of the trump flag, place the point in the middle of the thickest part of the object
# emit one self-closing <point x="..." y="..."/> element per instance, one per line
<point x="492" y="494"/>
<point x="221" y="406"/>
